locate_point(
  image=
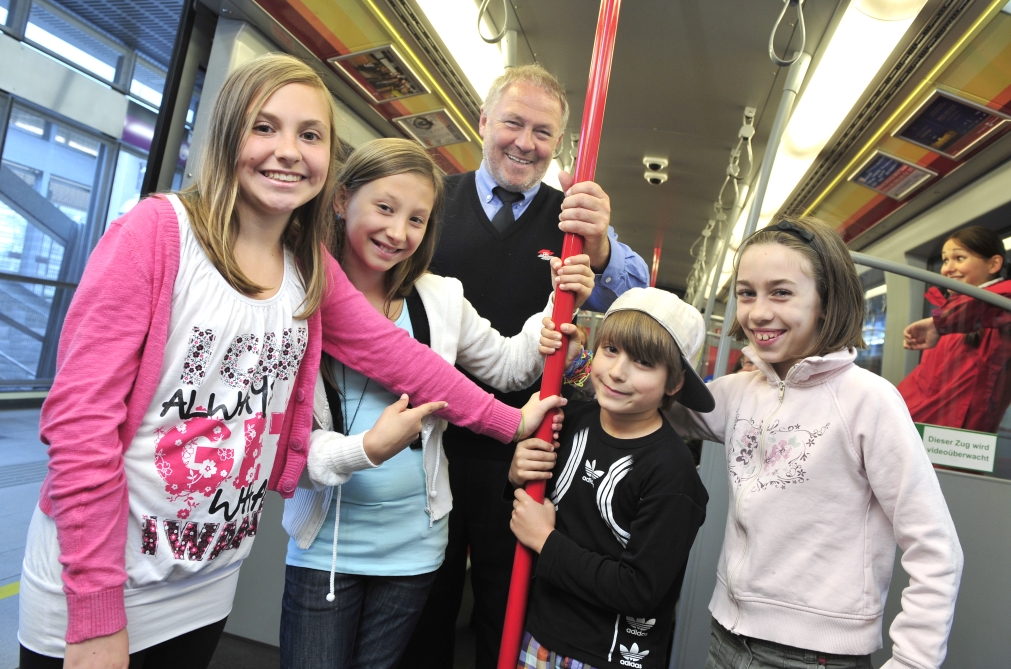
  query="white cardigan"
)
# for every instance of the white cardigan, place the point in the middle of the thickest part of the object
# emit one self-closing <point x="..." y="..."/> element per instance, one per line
<point x="461" y="336"/>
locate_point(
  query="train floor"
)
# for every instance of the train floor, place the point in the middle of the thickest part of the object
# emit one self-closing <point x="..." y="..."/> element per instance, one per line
<point x="22" y="469"/>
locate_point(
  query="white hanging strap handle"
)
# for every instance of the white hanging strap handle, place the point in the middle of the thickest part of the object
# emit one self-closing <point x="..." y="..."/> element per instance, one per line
<point x="505" y="21"/>
<point x="803" y="33"/>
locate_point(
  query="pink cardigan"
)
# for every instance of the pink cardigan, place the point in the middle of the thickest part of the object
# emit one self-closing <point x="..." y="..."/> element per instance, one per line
<point x="108" y="368"/>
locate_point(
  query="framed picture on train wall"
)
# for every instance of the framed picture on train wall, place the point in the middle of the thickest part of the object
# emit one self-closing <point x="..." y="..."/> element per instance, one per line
<point x="950" y="125"/>
<point x="380" y="73"/>
<point x="891" y="176"/>
<point x="432" y="129"/>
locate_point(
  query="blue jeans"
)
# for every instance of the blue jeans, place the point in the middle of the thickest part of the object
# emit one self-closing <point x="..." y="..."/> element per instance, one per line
<point x="732" y="651"/>
<point x="367" y="626"/>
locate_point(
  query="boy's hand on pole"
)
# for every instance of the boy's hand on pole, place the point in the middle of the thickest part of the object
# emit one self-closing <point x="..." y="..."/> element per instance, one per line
<point x="533" y="460"/>
<point x="532" y="522"/>
<point x="551" y="340"/>
<point x="575" y="275"/>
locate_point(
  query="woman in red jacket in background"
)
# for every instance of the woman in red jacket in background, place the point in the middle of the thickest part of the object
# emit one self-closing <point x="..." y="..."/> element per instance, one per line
<point x="963" y="379"/>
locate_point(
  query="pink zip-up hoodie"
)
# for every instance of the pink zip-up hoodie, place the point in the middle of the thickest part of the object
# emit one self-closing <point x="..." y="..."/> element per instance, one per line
<point x="108" y="368"/>
<point x="827" y="472"/>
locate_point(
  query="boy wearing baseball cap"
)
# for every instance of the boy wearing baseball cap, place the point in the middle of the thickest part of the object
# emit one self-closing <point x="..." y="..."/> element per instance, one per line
<point x="623" y="501"/>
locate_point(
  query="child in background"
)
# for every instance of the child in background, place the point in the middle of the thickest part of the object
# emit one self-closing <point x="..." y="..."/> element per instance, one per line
<point x="370" y="523"/>
<point x="827" y="473"/>
<point x="184" y="364"/>
<point x="623" y="502"/>
<point x="964" y="382"/>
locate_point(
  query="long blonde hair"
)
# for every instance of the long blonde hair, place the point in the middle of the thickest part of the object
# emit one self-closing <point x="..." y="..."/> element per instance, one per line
<point x="382" y="158"/>
<point x="210" y="200"/>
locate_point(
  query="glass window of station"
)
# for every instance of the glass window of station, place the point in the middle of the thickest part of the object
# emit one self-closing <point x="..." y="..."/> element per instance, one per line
<point x="62" y="183"/>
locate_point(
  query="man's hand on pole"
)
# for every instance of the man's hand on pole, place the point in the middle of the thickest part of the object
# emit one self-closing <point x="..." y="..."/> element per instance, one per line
<point x="586" y="211"/>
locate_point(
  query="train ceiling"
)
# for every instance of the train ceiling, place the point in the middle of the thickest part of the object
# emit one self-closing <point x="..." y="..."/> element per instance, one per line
<point x="682" y="76"/>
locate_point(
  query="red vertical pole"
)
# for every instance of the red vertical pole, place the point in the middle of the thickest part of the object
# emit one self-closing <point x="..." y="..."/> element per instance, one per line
<point x="551" y="383"/>
<point x="657" y="249"/>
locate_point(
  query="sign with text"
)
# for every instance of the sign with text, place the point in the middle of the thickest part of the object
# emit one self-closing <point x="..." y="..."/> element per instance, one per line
<point x="891" y="176"/>
<point x="964" y="449"/>
<point x="950" y="125"/>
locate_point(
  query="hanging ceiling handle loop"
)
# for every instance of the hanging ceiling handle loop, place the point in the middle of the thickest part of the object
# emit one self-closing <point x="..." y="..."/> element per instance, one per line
<point x="505" y="21"/>
<point x="772" y="38"/>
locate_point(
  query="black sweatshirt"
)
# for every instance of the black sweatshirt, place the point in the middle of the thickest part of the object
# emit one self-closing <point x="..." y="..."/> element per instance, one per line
<point x="608" y="577"/>
<point x="505" y="276"/>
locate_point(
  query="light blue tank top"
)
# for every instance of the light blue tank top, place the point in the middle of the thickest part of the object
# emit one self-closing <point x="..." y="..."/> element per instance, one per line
<point x="384" y="528"/>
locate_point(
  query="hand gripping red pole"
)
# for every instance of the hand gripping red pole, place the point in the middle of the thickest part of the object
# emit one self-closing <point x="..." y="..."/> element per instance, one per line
<point x="551" y="384"/>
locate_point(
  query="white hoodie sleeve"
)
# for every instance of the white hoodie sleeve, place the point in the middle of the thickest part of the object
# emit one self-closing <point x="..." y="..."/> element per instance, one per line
<point x="905" y="485"/>
<point x="333" y="457"/>
<point x="505" y="363"/>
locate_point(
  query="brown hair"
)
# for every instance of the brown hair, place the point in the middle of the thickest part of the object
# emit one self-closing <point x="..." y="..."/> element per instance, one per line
<point x="835" y="277"/>
<point x="373" y="160"/>
<point x="382" y="158"/>
<point x="986" y="244"/>
<point x="532" y="74"/>
<point x="641" y="337"/>
<point x="210" y="200"/>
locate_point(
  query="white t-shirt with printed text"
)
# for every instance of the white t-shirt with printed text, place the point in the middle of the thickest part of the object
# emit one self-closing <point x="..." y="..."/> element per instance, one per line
<point x="197" y="469"/>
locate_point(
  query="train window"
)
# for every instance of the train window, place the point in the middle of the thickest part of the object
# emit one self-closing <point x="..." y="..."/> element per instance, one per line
<point x="72" y="42"/>
<point x="49" y="175"/>
<point x="875" y="303"/>
<point x="5" y="6"/>
<point x="148" y="82"/>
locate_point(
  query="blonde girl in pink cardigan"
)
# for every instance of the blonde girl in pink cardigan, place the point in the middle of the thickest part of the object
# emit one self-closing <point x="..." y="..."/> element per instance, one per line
<point x="185" y="380"/>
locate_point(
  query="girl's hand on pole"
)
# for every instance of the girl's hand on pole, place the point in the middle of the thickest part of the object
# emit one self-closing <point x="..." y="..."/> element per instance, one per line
<point x="574" y="275"/>
<point x="101" y="652"/>
<point x="396" y="428"/>
<point x="531" y="522"/>
<point x="533" y="460"/>
<point x="920" y="335"/>
<point x="534" y="412"/>
<point x="551" y="340"/>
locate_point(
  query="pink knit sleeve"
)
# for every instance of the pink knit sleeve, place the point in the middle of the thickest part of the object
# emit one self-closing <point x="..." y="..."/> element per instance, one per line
<point x="356" y="334"/>
<point x="99" y="356"/>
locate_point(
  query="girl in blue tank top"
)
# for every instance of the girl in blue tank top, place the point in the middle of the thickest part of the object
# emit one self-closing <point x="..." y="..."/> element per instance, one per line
<point x="368" y="523"/>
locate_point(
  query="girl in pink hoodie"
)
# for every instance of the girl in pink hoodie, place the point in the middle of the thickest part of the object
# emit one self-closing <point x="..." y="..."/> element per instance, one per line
<point x="827" y="473"/>
<point x="185" y="382"/>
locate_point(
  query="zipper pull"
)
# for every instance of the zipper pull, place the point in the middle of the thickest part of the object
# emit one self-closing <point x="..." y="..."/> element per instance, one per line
<point x="782" y="390"/>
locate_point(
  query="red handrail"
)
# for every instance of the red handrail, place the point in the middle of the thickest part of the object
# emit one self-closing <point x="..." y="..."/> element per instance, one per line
<point x="551" y="384"/>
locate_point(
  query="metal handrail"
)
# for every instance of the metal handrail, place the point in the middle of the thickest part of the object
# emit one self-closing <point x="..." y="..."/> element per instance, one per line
<point x="933" y="279"/>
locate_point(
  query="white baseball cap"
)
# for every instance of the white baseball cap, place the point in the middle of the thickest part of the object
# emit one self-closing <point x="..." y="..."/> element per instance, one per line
<point x="685" y="325"/>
